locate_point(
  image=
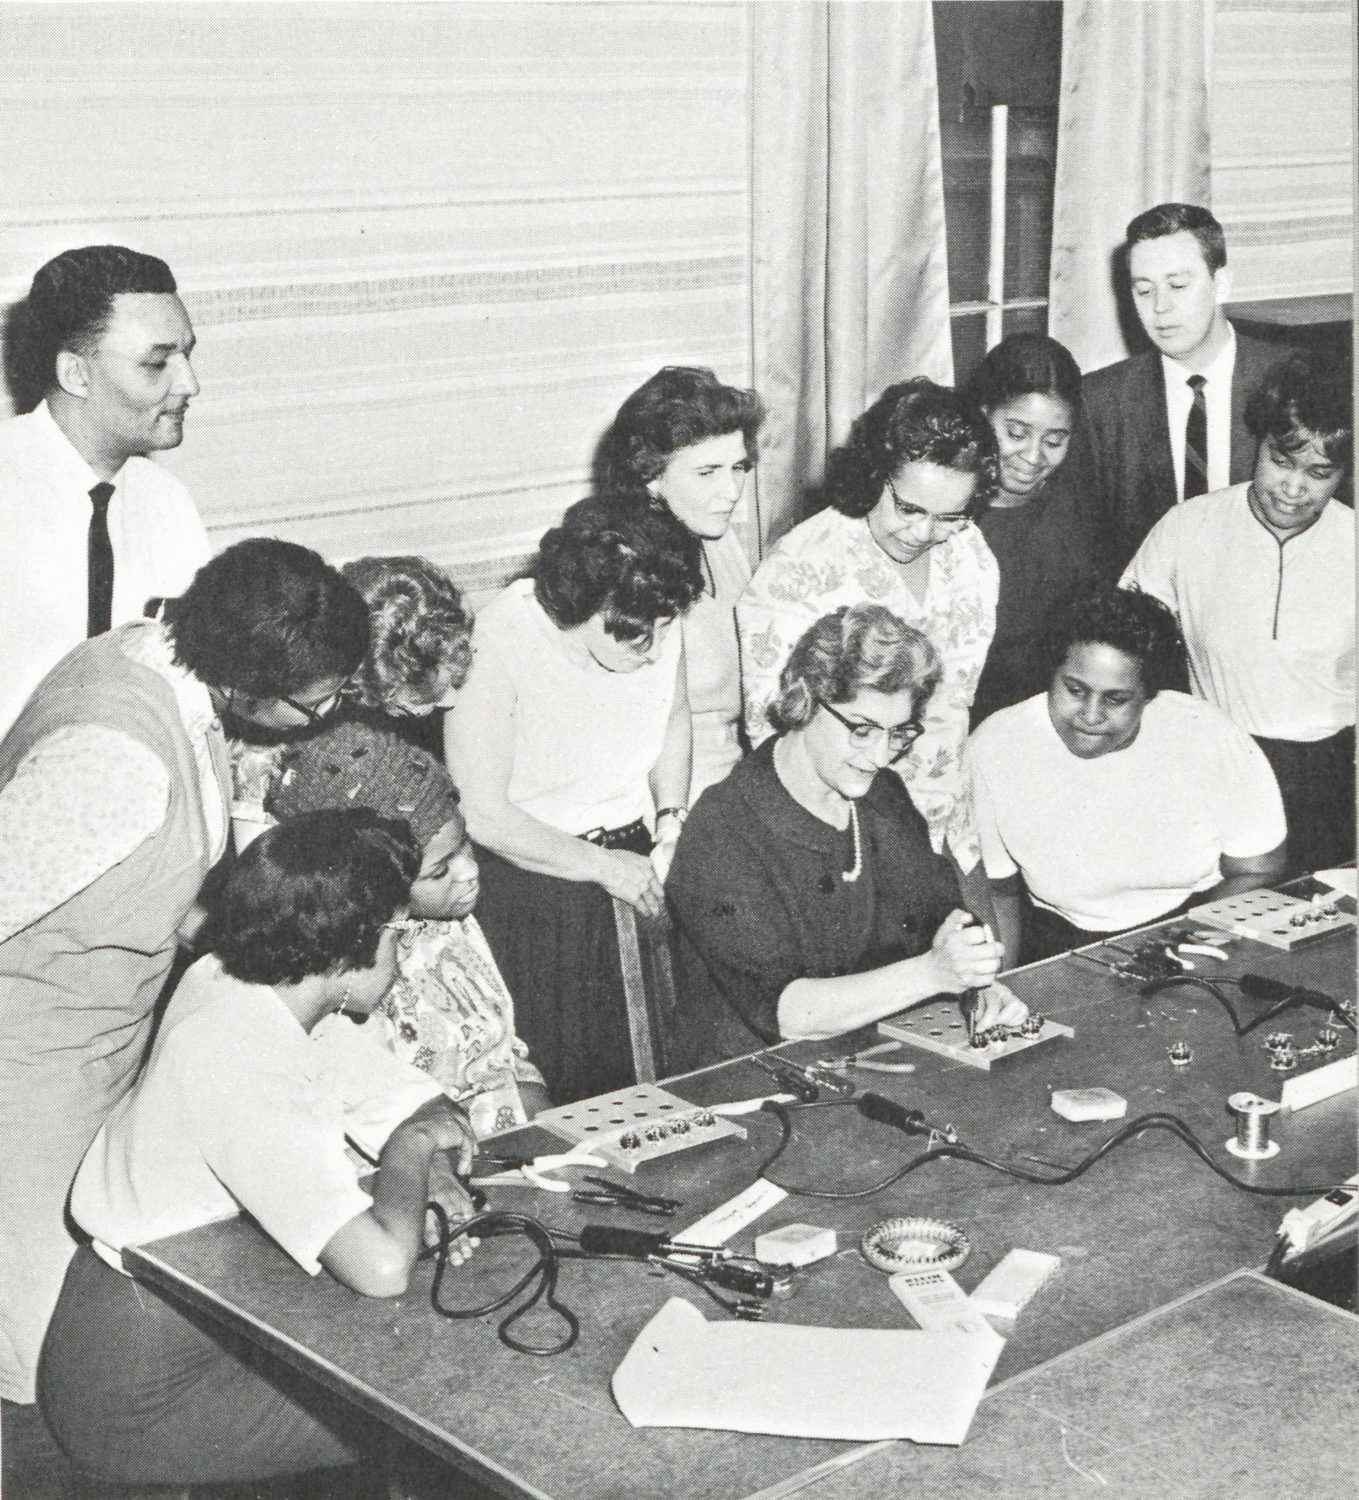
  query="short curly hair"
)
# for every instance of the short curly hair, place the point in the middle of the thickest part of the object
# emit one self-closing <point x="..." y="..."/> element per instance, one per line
<point x="915" y="421"/>
<point x="267" y="619"/>
<point x="67" y="308"/>
<point x="855" y="647"/>
<point x="419" y="634"/>
<point x="680" y="405"/>
<point x="1137" y="624"/>
<point x="311" y="895"/>
<point x="634" y="564"/>
<point x="1296" y="403"/>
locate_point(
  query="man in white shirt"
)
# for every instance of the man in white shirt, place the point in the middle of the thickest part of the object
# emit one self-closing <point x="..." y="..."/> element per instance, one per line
<point x="98" y="361"/>
<point x="1261" y="578"/>
<point x="1168" y="423"/>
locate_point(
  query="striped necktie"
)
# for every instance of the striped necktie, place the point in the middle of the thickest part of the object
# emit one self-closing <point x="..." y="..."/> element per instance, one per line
<point x="1196" y="442"/>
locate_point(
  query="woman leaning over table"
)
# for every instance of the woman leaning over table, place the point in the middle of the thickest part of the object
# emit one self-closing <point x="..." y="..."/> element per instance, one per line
<point x="572" y="727"/>
<point x="233" y="1114"/>
<point x="807" y="898"/>
<point x="905" y="490"/>
<point x="1110" y="802"/>
<point x="687" y="442"/>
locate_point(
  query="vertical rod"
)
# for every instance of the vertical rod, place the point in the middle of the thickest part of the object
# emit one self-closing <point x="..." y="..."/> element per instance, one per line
<point x="995" y="268"/>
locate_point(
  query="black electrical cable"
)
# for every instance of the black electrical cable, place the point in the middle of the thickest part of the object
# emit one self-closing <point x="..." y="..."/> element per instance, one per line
<point x="543" y="1271"/>
<point x="1135" y="1127"/>
<point x="1242" y="1028"/>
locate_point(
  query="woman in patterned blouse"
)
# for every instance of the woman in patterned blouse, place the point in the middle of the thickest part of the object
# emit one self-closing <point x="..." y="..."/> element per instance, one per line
<point x="448" y="1011"/>
<point x="905" y="489"/>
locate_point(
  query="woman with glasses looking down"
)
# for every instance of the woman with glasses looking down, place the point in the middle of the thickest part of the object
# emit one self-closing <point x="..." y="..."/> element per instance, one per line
<point x="570" y="745"/>
<point x="114" y="796"/>
<point x="904" y="491"/>
<point x="807" y="898"/>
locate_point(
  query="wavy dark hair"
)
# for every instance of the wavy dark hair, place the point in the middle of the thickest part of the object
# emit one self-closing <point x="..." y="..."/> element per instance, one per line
<point x="419" y="634"/>
<point x="1137" y="624"/>
<point x="1171" y="218"/>
<point x="1026" y="364"/>
<point x="1296" y="403"/>
<point x="67" y="308"/>
<point x="915" y="421"/>
<point x="635" y="564"/>
<point x="855" y="647"/>
<point x="268" y="619"/>
<point x="311" y="895"/>
<point x="680" y="405"/>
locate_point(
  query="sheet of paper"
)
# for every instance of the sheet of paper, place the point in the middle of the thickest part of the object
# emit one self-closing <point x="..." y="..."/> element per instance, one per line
<point x="860" y="1385"/>
<point x="1344" y="881"/>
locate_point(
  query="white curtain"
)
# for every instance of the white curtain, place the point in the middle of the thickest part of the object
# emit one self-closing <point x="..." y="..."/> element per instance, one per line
<point x="1132" y="131"/>
<point x="850" y="269"/>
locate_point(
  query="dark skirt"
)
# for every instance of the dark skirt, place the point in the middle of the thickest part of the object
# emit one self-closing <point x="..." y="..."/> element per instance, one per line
<point x="1045" y="934"/>
<point x="557" y="947"/>
<point x="137" y="1391"/>
<point x="1316" y="781"/>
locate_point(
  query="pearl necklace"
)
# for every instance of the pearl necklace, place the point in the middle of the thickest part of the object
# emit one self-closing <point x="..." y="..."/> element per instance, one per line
<point x="850" y="875"/>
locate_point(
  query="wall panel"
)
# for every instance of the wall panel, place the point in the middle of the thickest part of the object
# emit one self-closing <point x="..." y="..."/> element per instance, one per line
<point x="1283" y="145"/>
<point x="427" y="248"/>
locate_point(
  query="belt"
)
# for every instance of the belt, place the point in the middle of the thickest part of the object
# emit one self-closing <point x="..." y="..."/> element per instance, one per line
<point x="634" y="836"/>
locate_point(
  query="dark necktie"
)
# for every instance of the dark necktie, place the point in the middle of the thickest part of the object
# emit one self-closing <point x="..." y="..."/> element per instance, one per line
<point x="1196" y="442"/>
<point x="99" y="551"/>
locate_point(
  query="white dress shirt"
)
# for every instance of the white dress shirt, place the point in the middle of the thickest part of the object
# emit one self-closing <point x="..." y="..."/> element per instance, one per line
<point x="1217" y="397"/>
<point x="158" y="544"/>
<point x="1269" y="624"/>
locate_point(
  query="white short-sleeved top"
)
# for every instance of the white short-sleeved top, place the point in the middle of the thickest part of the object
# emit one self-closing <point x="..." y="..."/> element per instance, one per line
<point x="1269" y="624"/>
<point x="585" y="739"/>
<point x="229" y="1114"/>
<point x="1121" y="839"/>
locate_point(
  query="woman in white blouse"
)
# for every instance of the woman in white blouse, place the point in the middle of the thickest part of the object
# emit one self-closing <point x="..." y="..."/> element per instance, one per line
<point x="904" y="492"/>
<point x="570" y="746"/>
<point x="687" y="441"/>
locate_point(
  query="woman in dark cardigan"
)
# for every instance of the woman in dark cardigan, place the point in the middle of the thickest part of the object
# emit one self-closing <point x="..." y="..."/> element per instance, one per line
<point x="807" y="897"/>
<point x="1039" y="524"/>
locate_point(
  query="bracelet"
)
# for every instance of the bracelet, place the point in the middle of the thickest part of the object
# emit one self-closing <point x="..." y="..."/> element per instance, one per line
<point x="678" y="813"/>
<point x="909" y="1244"/>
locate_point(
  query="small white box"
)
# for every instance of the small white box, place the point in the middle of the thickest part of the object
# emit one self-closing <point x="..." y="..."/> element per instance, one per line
<point x="1089" y="1104"/>
<point x="935" y="1300"/>
<point x="795" y="1245"/>
<point x="1011" y="1284"/>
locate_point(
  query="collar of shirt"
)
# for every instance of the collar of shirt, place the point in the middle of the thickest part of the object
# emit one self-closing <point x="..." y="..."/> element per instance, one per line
<point x="1217" y="396"/>
<point x="65" y="464"/>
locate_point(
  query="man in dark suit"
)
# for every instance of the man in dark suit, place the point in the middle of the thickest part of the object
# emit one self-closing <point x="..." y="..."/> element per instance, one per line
<point x="1168" y="423"/>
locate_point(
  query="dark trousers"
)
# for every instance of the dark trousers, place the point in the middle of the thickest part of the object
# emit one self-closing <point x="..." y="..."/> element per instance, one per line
<point x="1316" y="780"/>
<point x="136" y="1391"/>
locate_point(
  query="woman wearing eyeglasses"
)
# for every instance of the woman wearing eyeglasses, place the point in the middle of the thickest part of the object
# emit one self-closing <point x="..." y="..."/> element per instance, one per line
<point x="570" y="745"/>
<point x="806" y="895"/>
<point x="113" y="809"/>
<point x="904" y="491"/>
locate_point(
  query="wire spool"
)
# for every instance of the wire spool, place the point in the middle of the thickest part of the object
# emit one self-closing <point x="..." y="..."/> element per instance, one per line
<point x="915" y="1244"/>
<point x="1251" y="1141"/>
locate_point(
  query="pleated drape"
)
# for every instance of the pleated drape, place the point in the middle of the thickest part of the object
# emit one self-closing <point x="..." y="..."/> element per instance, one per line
<point x="1132" y="131"/>
<point x="849" y="258"/>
